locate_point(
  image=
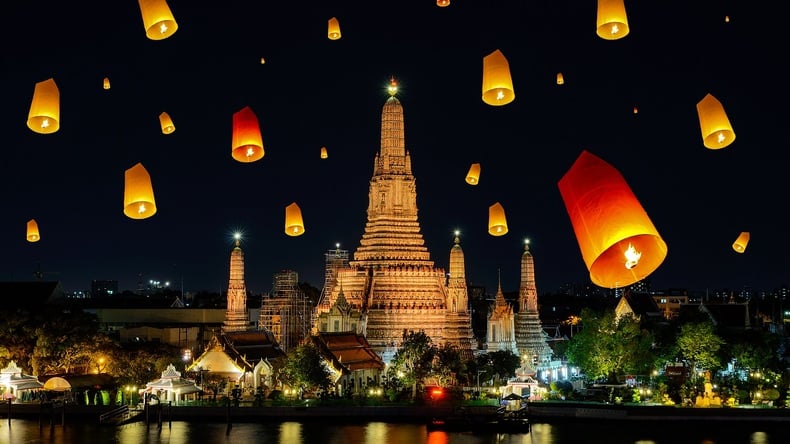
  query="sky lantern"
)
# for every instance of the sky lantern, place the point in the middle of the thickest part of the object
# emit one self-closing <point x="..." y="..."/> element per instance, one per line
<point x="166" y="123"/>
<point x="158" y="21"/>
<point x="106" y="83"/>
<point x="636" y="110"/>
<point x="473" y="175"/>
<point x="263" y="61"/>
<point x="612" y="20"/>
<point x="717" y="132"/>
<point x="294" y="226"/>
<point x="32" y="231"/>
<point x="618" y="242"/>
<point x="138" y="193"/>
<point x="497" y="223"/>
<point x="497" y="84"/>
<point x="333" y="32"/>
<point x="324" y="153"/>
<point x="44" y="115"/>
<point x="247" y="144"/>
<point x="442" y="3"/>
<point x="560" y="79"/>
<point x="741" y="242"/>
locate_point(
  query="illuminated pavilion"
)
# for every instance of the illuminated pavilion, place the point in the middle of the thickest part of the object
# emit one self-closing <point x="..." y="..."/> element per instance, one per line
<point x="392" y="280"/>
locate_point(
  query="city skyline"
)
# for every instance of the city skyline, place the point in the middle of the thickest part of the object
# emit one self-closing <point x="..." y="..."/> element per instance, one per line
<point x="313" y="92"/>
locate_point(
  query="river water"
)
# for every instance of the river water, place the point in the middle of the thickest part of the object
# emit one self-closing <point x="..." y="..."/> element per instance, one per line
<point x="316" y="432"/>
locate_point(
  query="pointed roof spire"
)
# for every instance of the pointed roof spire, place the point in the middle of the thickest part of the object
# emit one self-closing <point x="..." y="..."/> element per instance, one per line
<point x="392" y="88"/>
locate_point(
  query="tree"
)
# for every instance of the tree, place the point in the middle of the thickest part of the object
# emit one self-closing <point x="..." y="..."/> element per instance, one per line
<point x="698" y="343"/>
<point x="413" y="360"/>
<point x="608" y="347"/>
<point x="447" y="364"/>
<point x="305" y="368"/>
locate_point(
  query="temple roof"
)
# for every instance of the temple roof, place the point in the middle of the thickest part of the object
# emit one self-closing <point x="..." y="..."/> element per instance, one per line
<point x="347" y="350"/>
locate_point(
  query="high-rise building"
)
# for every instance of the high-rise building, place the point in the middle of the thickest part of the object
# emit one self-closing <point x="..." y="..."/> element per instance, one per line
<point x="392" y="280"/>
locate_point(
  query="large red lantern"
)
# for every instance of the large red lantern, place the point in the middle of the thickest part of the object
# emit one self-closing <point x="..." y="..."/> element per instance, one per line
<point x="618" y="241"/>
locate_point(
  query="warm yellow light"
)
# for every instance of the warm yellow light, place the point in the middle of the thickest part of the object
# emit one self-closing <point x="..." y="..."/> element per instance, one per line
<point x="631" y="257"/>
<point x="497" y="223"/>
<point x="726" y="19"/>
<point x="392" y="88"/>
<point x="263" y="61"/>
<point x="612" y="23"/>
<point x="158" y="20"/>
<point x="166" y="123"/>
<point x="44" y="115"/>
<point x="741" y="242"/>
<point x="442" y="3"/>
<point x="33" y="234"/>
<point x="324" y="153"/>
<point x="106" y="83"/>
<point x="636" y="110"/>
<point x="294" y="226"/>
<point x="138" y="193"/>
<point x="716" y="129"/>
<point x="560" y="79"/>
<point x="497" y="83"/>
<point x="473" y="176"/>
<point x="333" y="31"/>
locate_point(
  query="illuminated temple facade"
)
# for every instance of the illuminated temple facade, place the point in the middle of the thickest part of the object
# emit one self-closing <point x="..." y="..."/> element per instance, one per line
<point x="531" y="340"/>
<point x="391" y="279"/>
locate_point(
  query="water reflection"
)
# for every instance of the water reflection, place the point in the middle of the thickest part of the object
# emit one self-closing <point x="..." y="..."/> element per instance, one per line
<point x="323" y="432"/>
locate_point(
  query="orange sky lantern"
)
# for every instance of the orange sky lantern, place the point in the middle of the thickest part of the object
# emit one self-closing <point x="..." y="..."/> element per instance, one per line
<point x="618" y="241"/>
<point x="158" y="20"/>
<point x="497" y="83"/>
<point x="247" y="143"/>
<point x="294" y="225"/>
<point x="44" y="115"/>
<point x="138" y="193"/>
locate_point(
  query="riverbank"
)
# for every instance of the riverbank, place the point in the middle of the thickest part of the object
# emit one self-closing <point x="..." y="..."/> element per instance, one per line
<point x="537" y="412"/>
<point x="551" y="411"/>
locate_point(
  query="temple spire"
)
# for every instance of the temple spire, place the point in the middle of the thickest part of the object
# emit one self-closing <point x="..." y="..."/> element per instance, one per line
<point x="236" y="315"/>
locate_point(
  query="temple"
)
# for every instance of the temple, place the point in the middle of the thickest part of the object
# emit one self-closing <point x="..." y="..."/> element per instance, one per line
<point x="531" y="340"/>
<point x="392" y="280"/>
<point x="236" y="317"/>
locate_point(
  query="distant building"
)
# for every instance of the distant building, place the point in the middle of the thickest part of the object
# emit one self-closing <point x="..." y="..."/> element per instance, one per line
<point x="286" y="311"/>
<point x="104" y="288"/>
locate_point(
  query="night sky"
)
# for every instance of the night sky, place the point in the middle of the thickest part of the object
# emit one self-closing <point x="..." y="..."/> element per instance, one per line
<point x="313" y="92"/>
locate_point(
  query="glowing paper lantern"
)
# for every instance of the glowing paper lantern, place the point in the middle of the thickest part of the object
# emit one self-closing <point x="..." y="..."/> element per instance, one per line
<point x="636" y="110"/>
<point x="334" y="29"/>
<point x="263" y="61"/>
<point x="32" y="231"/>
<point x="740" y="244"/>
<point x="497" y="223"/>
<point x="138" y="194"/>
<point x="158" y="21"/>
<point x="726" y="19"/>
<point x="294" y="226"/>
<point x="442" y="3"/>
<point x="44" y="115"/>
<point x="717" y="132"/>
<point x="612" y="20"/>
<point x="106" y="83"/>
<point x="473" y="175"/>
<point x="166" y="123"/>
<point x="560" y="79"/>
<point x="618" y="242"/>
<point x="324" y="154"/>
<point x="247" y="143"/>
<point x="497" y="84"/>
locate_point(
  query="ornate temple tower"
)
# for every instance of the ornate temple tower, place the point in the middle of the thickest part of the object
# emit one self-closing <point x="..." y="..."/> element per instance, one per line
<point x="500" y="331"/>
<point x="530" y="337"/>
<point x="236" y="318"/>
<point x="391" y="279"/>
<point x="458" y="322"/>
